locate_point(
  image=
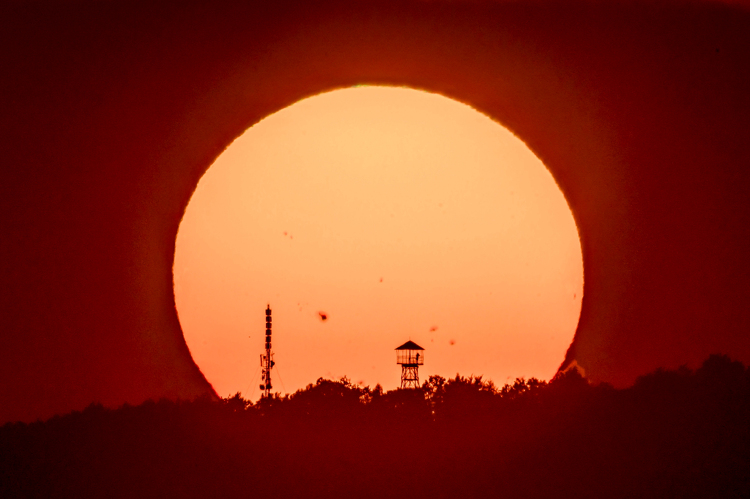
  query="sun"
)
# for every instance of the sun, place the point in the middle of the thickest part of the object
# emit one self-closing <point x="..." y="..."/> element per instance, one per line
<point x="366" y="217"/>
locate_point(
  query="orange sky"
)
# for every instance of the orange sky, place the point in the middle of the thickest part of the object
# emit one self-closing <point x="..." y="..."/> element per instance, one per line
<point x="401" y="215"/>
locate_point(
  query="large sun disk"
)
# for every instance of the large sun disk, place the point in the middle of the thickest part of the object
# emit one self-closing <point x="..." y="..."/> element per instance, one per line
<point x="401" y="214"/>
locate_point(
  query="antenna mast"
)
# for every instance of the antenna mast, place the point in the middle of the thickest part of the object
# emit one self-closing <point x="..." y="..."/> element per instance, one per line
<point x="266" y="361"/>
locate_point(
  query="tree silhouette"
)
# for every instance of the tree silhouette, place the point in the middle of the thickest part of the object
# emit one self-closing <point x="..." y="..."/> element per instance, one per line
<point x="675" y="433"/>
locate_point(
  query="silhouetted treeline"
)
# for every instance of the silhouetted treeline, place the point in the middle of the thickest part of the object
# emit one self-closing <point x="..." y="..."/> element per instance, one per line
<point x="676" y="433"/>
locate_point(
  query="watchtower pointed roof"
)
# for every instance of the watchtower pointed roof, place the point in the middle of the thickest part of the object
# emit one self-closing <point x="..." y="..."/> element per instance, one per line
<point x="410" y="345"/>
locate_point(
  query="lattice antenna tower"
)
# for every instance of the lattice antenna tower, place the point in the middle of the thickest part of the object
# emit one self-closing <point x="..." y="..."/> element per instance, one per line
<point x="266" y="360"/>
<point x="410" y="356"/>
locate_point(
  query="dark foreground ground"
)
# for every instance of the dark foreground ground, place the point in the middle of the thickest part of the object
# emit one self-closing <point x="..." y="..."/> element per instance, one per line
<point x="674" y="434"/>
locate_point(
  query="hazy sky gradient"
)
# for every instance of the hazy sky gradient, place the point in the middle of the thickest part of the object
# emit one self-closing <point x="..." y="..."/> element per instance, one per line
<point x="476" y="247"/>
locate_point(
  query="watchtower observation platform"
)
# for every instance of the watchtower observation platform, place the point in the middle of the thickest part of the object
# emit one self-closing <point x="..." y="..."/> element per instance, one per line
<point x="410" y="354"/>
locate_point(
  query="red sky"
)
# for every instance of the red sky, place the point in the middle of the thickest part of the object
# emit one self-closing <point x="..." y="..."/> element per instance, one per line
<point x="401" y="215"/>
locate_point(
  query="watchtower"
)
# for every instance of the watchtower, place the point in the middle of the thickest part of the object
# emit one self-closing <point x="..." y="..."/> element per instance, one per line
<point x="410" y="356"/>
